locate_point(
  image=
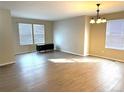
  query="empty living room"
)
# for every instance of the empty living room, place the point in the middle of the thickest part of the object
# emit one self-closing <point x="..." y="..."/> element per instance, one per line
<point x="62" y="46"/>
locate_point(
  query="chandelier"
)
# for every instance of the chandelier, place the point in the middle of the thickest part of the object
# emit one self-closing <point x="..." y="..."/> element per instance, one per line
<point x="97" y="19"/>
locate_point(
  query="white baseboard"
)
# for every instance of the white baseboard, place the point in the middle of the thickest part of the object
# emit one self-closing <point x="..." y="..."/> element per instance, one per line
<point x="71" y="53"/>
<point x="4" y="64"/>
<point x="25" y="52"/>
<point x="107" y="58"/>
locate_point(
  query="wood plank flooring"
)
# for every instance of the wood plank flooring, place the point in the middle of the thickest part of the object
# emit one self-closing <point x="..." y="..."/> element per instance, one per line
<point x="58" y="71"/>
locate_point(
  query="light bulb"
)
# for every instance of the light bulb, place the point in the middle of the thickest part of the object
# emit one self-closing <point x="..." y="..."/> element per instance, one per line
<point x="98" y="20"/>
<point x="104" y="20"/>
<point x="92" y="21"/>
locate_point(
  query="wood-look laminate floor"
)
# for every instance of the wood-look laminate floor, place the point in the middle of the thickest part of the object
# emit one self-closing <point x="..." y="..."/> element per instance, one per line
<point x="58" y="71"/>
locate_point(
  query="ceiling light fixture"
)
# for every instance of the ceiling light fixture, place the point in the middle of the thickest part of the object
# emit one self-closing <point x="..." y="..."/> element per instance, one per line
<point x="98" y="19"/>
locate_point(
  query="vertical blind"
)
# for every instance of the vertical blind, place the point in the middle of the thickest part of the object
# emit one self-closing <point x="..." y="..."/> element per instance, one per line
<point x="31" y="34"/>
<point x="115" y="34"/>
<point x="39" y="36"/>
<point x="25" y="34"/>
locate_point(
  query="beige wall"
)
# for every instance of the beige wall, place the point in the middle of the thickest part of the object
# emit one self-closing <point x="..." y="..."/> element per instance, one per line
<point x="30" y="48"/>
<point x="69" y="35"/>
<point x="97" y="39"/>
<point x="6" y="38"/>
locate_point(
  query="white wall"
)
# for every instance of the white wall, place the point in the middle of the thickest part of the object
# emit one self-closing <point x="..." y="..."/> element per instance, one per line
<point x="6" y="38"/>
<point x="69" y="35"/>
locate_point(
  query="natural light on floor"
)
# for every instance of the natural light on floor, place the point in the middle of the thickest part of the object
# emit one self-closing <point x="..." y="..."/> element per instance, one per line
<point x="76" y="60"/>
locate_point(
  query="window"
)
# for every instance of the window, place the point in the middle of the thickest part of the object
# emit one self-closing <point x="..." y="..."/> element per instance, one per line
<point x="115" y="34"/>
<point x="38" y="34"/>
<point x="25" y="34"/>
<point x="31" y="34"/>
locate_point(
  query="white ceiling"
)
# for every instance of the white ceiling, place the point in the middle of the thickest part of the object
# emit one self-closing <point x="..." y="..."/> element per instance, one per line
<point x="53" y="10"/>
